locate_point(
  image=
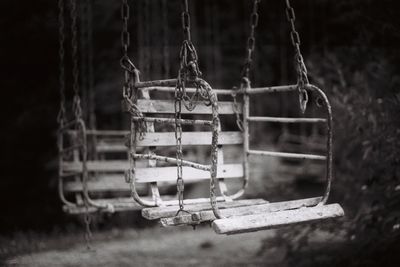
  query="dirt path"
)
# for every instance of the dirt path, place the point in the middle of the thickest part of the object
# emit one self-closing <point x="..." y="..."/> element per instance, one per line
<point x="162" y="247"/>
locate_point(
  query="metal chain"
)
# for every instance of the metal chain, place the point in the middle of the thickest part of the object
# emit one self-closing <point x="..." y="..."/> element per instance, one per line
<point x="179" y="93"/>
<point x="75" y="61"/>
<point x="164" y="8"/>
<point x="88" y="232"/>
<point x="186" y="20"/>
<point x="189" y="67"/>
<point x="179" y="154"/>
<point x="251" y="43"/>
<point x="239" y="121"/>
<point x="251" y="40"/>
<point x="130" y="71"/>
<point x="302" y="79"/>
<point x="188" y="70"/>
<point x="62" y="116"/>
<point x="77" y="104"/>
<point x="91" y="94"/>
<point x="125" y="35"/>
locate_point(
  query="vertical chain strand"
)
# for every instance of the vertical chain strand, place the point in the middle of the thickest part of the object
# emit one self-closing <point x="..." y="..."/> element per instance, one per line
<point x="78" y="111"/>
<point x="186" y="20"/>
<point x="61" y="118"/>
<point x="302" y="79"/>
<point x="251" y="40"/>
<point x="188" y="59"/>
<point x="91" y="81"/>
<point x="164" y="8"/>
<point x="130" y="70"/>
<point x="251" y="44"/>
<point x="125" y="35"/>
<point x="75" y="60"/>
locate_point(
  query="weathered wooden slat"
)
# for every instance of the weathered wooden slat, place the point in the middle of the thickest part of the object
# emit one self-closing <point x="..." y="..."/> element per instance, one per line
<point x="190" y="90"/>
<point x="99" y="166"/>
<point x="127" y="203"/>
<point x="171" y="121"/>
<point x="171" y="160"/>
<point x="117" y="133"/>
<point x="163" y="212"/>
<point x="208" y="215"/>
<point x="119" y="204"/>
<point x="253" y="223"/>
<point x="168" y="139"/>
<point x="102" y="183"/>
<point x="156" y="174"/>
<point x="167" y="106"/>
<point x="165" y="174"/>
<point x="103" y="147"/>
<point x="190" y="138"/>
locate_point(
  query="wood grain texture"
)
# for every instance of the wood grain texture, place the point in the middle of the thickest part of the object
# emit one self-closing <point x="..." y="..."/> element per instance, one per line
<point x="208" y="215"/>
<point x="253" y="223"/>
<point x="167" y="139"/>
<point x="163" y="212"/>
<point x="167" y="107"/>
<point x="156" y="174"/>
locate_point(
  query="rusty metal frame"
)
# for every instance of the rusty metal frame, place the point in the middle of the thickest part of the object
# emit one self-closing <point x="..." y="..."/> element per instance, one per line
<point x="169" y="85"/>
<point x="246" y="90"/>
<point x="79" y="127"/>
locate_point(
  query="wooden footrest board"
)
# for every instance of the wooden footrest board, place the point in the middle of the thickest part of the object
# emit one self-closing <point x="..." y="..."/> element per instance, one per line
<point x="253" y="223"/>
<point x="208" y="215"/>
<point x="119" y="204"/>
<point x="170" y="211"/>
<point x="127" y="203"/>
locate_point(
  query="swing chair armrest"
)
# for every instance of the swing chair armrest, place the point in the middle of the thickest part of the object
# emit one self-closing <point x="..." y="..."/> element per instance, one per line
<point x="270" y="89"/>
<point x="275" y="89"/>
<point x="171" y="160"/>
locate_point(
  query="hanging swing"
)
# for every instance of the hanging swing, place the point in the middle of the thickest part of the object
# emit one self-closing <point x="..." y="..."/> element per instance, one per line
<point x="230" y="216"/>
<point x="92" y="162"/>
<point x="194" y="109"/>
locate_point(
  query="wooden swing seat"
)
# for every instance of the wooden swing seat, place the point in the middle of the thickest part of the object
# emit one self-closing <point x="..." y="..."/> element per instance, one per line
<point x="248" y="215"/>
<point x="268" y="220"/>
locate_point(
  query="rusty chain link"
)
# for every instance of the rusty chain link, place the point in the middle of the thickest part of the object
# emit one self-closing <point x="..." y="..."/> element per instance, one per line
<point x="251" y="43"/>
<point x="189" y="67"/>
<point x="251" y="40"/>
<point x="188" y="71"/>
<point x="77" y="109"/>
<point x="130" y="71"/>
<point x="76" y="105"/>
<point x="179" y="93"/>
<point x="302" y="79"/>
<point x="62" y="116"/>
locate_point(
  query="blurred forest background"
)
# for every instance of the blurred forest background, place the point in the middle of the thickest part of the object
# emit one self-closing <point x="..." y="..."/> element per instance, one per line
<point x="351" y="49"/>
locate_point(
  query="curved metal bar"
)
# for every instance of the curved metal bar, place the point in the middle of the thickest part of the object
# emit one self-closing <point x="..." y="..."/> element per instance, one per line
<point x="329" y="141"/>
<point x="244" y="87"/>
<point x="130" y="174"/>
<point x="81" y="128"/>
<point x="329" y="126"/>
<point x="60" y="140"/>
<point x="212" y="97"/>
<point x="79" y="124"/>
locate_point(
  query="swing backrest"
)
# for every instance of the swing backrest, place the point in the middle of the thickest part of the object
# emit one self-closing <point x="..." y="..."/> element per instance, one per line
<point x="196" y="139"/>
<point x="106" y="172"/>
